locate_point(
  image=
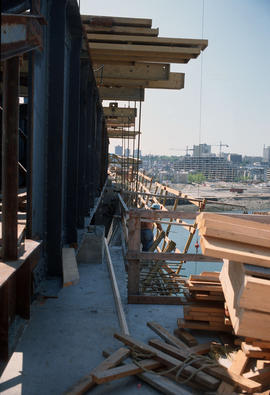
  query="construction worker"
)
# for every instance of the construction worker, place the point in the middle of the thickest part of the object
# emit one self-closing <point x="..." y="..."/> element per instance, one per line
<point x="147" y="237"/>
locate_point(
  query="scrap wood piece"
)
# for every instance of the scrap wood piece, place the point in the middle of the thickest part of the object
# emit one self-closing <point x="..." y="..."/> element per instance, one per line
<point x="187" y="337"/>
<point x="216" y="371"/>
<point x="167" y="336"/>
<point x="235" y="251"/>
<point x="239" y="363"/>
<point x="131" y="369"/>
<point x="161" y="383"/>
<point x="257" y="342"/>
<point x="261" y="376"/>
<point x="87" y="382"/>
<point x="254" y="351"/>
<point x="202" y="348"/>
<point x="201" y="377"/>
<point x="70" y="268"/>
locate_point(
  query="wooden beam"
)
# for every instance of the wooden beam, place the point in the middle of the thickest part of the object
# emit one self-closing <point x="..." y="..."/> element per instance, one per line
<point x="141" y="71"/>
<point x="170" y="256"/>
<point x="175" y="81"/>
<point x="97" y="20"/>
<point x="126" y="59"/>
<point x="117" y="298"/>
<point x="125" y="94"/>
<point x="120" y="120"/>
<point x="126" y="30"/>
<point x="70" y="268"/>
<point x="114" y="111"/>
<point x="157" y="41"/>
<point x="142" y="52"/>
<point x="166" y="335"/>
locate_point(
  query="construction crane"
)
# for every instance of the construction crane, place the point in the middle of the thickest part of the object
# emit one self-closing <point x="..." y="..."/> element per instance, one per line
<point x="181" y="149"/>
<point x="220" y="145"/>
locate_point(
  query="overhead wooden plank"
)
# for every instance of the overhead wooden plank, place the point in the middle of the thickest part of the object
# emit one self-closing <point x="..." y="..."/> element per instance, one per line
<point x="175" y="81"/>
<point x="255" y="294"/>
<point x="126" y="59"/>
<point x="144" y="51"/>
<point x="113" y="111"/>
<point x="70" y="268"/>
<point x="126" y="30"/>
<point x="125" y="94"/>
<point x="100" y="20"/>
<point x="237" y="252"/>
<point x="142" y="71"/>
<point x="120" y="121"/>
<point x="158" y="41"/>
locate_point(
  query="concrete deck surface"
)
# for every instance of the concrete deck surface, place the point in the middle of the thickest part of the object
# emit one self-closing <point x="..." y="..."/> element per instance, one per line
<point x="66" y="335"/>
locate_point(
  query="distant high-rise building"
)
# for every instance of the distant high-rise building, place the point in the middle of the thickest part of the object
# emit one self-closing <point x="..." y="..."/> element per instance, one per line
<point x="235" y="158"/>
<point x="118" y="150"/>
<point x="127" y="152"/>
<point x="201" y="150"/>
<point x="136" y="153"/>
<point x="266" y="154"/>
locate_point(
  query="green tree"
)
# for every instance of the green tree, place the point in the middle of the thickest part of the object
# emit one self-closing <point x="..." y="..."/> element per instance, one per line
<point x="197" y="178"/>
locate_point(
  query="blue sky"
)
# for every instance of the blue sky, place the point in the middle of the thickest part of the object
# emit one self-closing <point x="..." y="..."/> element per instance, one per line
<point x="235" y="74"/>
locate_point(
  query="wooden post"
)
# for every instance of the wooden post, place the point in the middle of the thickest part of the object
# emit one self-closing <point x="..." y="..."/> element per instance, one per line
<point x="10" y="159"/>
<point x="134" y="242"/>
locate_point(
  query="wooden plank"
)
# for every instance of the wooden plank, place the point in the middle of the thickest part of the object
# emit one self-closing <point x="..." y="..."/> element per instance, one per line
<point x="97" y="20"/>
<point x="70" y="268"/>
<point x="237" y="252"/>
<point x="261" y="376"/>
<point x="241" y="318"/>
<point x="114" y="111"/>
<point x="252" y="270"/>
<point x="255" y="294"/>
<point x="127" y="31"/>
<point x="254" y="351"/>
<point x="239" y="363"/>
<point x="201" y="377"/>
<point x="87" y="382"/>
<point x="137" y="71"/>
<point x="216" y="308"/>
<point x="186" y="337"/>
<point x="170" y="256"/>
<point x="207" y="297"/>
<point x="116" y="293"/>
<point x="124" y="94"/>
<point x="165" y="335"/>
<point x="149" y="41"/>
<point x="202" y="326"/>
<point x="201" y="349"/>
<point x="233" y="231"/>
<point x="218" y="372"/>
<point x="103" y="57"/>
<point x="243" y="220"/>
<point x="175" y="81"/>
<point x="149" y="299"/>
<point x="131" y="369"/>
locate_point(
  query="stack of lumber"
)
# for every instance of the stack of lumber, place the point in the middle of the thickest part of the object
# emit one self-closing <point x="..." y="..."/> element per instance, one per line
<point x="165" y="358"/>
<point x="247" y="294"/>
<point x="200" y="316"/>
<point x="236" y="239"/>
<point x="245" y="277"/>
<point x="205" y="287"/>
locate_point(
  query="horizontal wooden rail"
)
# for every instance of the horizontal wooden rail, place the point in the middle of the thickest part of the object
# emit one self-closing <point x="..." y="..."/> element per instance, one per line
<point x="157" y="214"/>
<point x="167" y="256"/>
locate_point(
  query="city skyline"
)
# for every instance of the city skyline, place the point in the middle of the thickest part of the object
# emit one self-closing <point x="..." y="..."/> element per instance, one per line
<point x="230" y="100"/>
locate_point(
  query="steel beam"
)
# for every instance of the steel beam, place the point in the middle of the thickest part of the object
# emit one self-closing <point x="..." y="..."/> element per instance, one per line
<point x="10" y="159"/>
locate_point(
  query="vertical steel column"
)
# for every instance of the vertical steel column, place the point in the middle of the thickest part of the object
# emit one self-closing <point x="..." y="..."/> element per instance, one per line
<point x="10" y="159"/>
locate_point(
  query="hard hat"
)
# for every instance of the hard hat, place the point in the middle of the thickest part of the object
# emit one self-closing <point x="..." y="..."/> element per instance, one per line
<point x="155" y="206"/>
